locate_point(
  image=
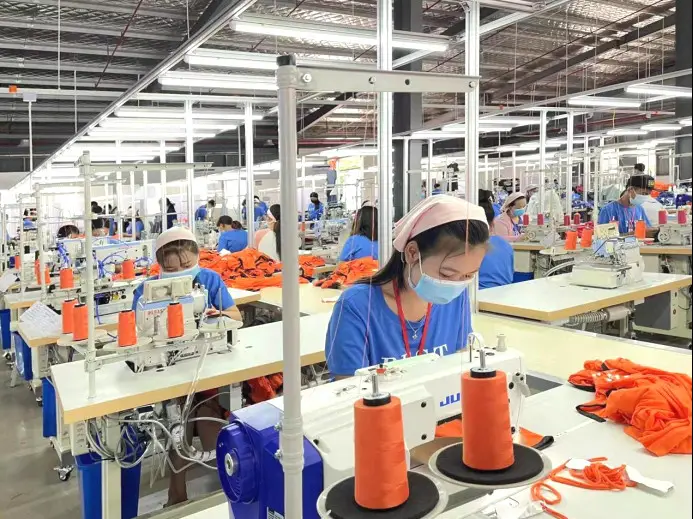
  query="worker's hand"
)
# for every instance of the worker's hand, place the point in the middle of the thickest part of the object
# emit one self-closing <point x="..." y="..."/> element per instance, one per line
<point x="523" y="237"/>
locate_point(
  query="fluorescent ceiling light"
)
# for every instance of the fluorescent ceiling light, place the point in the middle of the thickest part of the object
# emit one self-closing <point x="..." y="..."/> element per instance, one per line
<point x="210" y="81"/>
<point x="654" y="127"/>
<point x="530" y="145"/>
<point x="151" y="112"/>
<point x="349" y="152"/>
<point x="335" y="33"/>
<point x="611" y="102"/>
<point x="460" y="127"/>
<point x="345" y="119"/>
<point x="165" y="124"/>
<point x="129" y="135"/>
<point x="437" y="135"/>
<point x="685" y="122"/>
<point x="660" y="90"/>
<point x="510" y="121"/>
<point x="626" y="131"/>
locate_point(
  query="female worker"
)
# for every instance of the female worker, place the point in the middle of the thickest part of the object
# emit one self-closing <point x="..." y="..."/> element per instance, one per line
<point x="316" y="208"/>
<point x="68" y="231"/>
<point x="507" y="224"/>
<point x="363" y="242"/>
<point x="271" y="242"/>
<point x="177" y="253"/>
<point x="232" y="236"/>
<point x="417" y="303"/>
<point x="139" y="227"/>
<point x="498" y="266"/>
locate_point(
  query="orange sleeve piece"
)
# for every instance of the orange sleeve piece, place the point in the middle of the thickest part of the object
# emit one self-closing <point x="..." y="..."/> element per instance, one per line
<point x="348" y="272"/>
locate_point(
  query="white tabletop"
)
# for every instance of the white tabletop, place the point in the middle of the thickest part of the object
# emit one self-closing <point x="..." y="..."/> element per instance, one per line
<point x="241" y="297"/>
<point x="553" y="298"/>
<point x="312" y="299"/>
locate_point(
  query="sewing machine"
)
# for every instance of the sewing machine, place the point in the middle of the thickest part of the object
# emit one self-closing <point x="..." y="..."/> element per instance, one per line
<point x="676" y="233"/>
<point x="428" y="386"/>
<point x="205" y="232"/>
<point x="615" y="262"/>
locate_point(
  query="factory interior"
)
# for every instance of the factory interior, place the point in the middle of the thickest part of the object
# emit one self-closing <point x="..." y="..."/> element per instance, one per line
<point x="464" y="291"/>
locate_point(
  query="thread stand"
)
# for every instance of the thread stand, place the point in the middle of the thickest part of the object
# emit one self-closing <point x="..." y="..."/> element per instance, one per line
<point x="427" y="498"/>
<point x="502" y="464"/>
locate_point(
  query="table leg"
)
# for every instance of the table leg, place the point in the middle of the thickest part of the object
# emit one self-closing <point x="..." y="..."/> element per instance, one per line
<point x="110" y="475"/>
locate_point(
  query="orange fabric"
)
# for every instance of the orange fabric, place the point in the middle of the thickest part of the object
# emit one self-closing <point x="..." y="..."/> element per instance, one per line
<point x="596" y="476"/>
<point x="265" y="388"/>
<point x="654" y="404"/>
<point x="348" y="272"/>
<point x="453" y="429"/>
<point x="309" y="263"/>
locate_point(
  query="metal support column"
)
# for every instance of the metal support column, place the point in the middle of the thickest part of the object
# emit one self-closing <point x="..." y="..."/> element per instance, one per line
<point x="471" y="102"/>
<point x="162" y="181"/>
<point x="542" y="161"/>
<point x="249" y="180"/>
<point x="291" y="435"/>
<point x="119" y="190"/>
<point x="569" y="166"/>
<point x="405" y="176"/>
<point x="429" y="163"/>
<point x="586" y="166"/>
<point x="385" y="198"/>
<point x="145" y="197"/>
<point x="487" y="180"/>
<point x="190" y="158"/>
<point x="514" y="169"/>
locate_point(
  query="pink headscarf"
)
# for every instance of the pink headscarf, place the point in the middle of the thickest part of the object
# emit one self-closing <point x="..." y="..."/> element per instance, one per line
<point x="432" y="212"/>
<point x="511" y="199"/>
<point x="174" y="234"/>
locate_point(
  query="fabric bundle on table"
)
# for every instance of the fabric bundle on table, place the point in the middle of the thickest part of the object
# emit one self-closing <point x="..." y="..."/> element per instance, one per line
<point x="654" y="404"/>
<point x="308" y="264"/>
<point x="349" y="272"/>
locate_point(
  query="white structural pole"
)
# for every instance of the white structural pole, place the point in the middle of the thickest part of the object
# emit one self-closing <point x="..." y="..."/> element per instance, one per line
<point x="488" y="183"/>
<point x="405" y="177"/>
<point x="133" y="208"/>
<point x="119" y="190"/>
<point x="164" y="206"/>
<point x="586" y="166"/>
<point x="672" y="167"/>
<point x="471" y="58"/>
<point x="542" y="160"/>
<point x="145" y="197"/>
<point x="514" y="169"/>
<point x="385" y="215"/>
<point x="429" y="176"/>
<point x="291" y="435"/>
<point x="249" y="180"/>
<point x="303" y="186"/>
<point x="569" y="166"/>
<point x="31" y="139"/>
<point x="40" y="235"/>
<point x="190" y="158"/>
<point x="89" y="274"/>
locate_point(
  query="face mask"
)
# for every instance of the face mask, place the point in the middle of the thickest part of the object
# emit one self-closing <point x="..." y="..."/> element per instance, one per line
<point x="437" y="291"/>
<point x="639" y="199"/>
<point x="192" y="271"/>
<point x="519" y="212"/>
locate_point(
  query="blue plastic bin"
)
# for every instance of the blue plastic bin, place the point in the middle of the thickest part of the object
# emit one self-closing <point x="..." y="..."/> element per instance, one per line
<point x="5" y="335"/>
<point x="89" y="470"/>
<point x="50" y="427"/>
<point x="23" y="357"/>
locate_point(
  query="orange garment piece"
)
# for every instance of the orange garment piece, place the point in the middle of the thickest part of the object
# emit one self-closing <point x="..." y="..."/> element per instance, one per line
<point x="265" y="388"/>
<point x="655" y="405"/>
<point x="308" y="264"/>
<point x="453" y="429"/>
<point x="348" y="272"/>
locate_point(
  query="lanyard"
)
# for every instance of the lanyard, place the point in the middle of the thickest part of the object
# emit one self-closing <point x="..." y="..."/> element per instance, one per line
<point x="403" y="323"/>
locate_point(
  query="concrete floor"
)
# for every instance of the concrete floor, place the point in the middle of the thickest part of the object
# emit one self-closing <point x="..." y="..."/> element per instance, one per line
<point x="30" y="488"/>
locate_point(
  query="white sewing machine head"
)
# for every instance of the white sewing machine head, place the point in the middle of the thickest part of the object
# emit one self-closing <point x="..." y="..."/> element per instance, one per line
<point x="157" y="294"/>
<point x="615" y="262"/>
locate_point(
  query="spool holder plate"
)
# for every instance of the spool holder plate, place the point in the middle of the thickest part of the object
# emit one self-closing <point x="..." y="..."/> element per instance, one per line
<point x="456" y="447"/>
<point x="439" y="508"/>
<point x="113" y="346"/>
<point x="66" y="340"/>
<point x="163" y="338"/>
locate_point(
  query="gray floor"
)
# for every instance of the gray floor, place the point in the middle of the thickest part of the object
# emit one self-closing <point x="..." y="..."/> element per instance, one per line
<point x="30" y="489"/>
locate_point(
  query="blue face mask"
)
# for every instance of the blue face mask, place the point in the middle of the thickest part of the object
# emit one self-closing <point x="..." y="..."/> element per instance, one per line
<point x="519" y="212"/>
<point x="639" y="199"/>
<point x="192" y="271"/>
<point x="437" y="291"/>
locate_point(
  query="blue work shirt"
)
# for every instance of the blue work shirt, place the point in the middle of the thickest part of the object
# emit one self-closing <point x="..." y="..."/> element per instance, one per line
<point x="234" y="240"/>
<point x="201" y="213"/>
<point x="139" y="227"/>
<point x="357" y="247"/>
<point x="260" y="211"/>
<point x="361" y="320"/>
<point x="496" y="209"/>
<point x="216" y="290"/>
<point x="498" y="267"/>
<point x="29" y="224"/>
<point x="315" y="211"/>
<point x="626" y="216"/>
<point x="171" y="219"/>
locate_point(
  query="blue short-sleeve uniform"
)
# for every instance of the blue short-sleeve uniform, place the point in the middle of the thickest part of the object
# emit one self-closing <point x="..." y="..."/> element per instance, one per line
<point x="218" y="296"/>
<point x="363" y="331"/>
<point x="139" y="226"/>
<point x="626" y="216"/>
<point x="498" y="266"/>
<point x="357" y="247"/>
<point x="315" y="211"/>
<point x="201" y="213"/>
<point x="234" y="240"/>
<point x="496" y="210"/>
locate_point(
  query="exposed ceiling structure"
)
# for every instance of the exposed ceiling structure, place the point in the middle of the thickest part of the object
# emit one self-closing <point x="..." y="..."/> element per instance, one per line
<point x="82" y="54"/>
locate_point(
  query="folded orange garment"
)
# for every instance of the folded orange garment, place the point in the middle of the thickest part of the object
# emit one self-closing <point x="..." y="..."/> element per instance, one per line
<point x="453" y="429"/>
<point x="308" y="264"/>
<point x="655" y="405"/>
<point x="348" y="272"/>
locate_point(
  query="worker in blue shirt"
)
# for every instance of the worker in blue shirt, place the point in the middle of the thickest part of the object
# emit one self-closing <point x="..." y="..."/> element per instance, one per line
<point x="139" y="227"/>
<point x="363" y="242"/>
<point x="418" y="301"/>
<point x="437" y="190"/>
<point x="498" y="267"/>
<point x="628" y="208"/>
<point x="29" y="219"/>
<point x="232" y="236"/>
<point x="178" y="254"/>
<point x="316" y="208"/>
<point x="259" y="209"/>
<point x="202" y="211"/>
